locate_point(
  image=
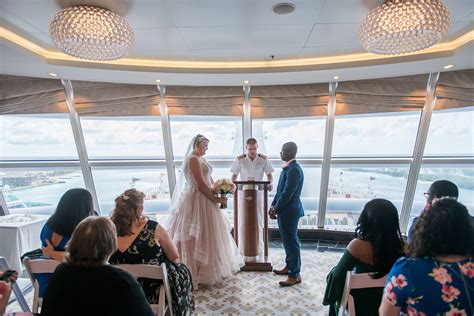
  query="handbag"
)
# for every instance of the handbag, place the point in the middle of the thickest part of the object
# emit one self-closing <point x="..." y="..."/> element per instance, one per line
<point x="34" y="254"/>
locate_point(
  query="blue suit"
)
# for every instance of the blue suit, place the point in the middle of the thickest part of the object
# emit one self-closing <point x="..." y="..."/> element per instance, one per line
<point x="288" y="207"/>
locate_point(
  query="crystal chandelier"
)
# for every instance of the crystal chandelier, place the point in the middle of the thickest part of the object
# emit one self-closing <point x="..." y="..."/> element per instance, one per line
<point x="404" y="26"/>
<point x="92" y="33"/>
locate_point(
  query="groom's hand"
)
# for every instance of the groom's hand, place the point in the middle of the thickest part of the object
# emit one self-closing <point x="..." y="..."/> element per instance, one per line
<point x="271" y="213"/>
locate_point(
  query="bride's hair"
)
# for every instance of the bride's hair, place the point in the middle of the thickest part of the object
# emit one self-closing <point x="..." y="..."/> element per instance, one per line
<point x="199" y="139"/>
<point x="125" y="212"/>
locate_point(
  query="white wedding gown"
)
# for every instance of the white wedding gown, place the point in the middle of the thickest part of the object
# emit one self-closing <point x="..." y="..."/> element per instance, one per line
<point x="201" y="232"/>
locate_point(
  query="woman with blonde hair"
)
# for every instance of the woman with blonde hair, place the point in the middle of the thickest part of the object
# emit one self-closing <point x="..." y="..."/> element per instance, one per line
<point x="197" y="225"/>
<point x="85" y="284"/>
<point x="144" y="241"/>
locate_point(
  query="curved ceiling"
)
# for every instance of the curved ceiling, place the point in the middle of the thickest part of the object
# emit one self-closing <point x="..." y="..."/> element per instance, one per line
<point x="209" y="42"/>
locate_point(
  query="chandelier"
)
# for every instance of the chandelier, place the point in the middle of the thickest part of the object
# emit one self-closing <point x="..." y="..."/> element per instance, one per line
<point x="92" y="33"/>
<point x="404" y="26"/>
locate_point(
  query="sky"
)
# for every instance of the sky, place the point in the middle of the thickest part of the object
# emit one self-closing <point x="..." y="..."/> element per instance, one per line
<point x="30" y="137"/>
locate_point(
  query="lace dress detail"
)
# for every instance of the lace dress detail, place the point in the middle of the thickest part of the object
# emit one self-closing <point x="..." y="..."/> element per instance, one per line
<point x="144" y="250"/>
<point x="201" y="232"/>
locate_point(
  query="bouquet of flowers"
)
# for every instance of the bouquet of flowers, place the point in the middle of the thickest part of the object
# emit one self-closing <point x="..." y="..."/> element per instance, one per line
<point x="222" y="187"/>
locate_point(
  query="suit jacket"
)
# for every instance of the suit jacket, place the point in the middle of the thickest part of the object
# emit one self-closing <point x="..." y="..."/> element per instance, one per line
<point x="287" y="200"/>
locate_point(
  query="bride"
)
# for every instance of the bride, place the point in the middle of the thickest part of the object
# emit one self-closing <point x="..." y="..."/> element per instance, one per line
<point x="197" y="225"/>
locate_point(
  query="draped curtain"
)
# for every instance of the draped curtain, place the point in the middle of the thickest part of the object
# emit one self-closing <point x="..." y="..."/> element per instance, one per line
<point x="25" y="95"/>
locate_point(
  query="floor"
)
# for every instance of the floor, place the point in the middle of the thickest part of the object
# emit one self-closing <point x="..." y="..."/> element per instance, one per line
<point x="258" y="293"/>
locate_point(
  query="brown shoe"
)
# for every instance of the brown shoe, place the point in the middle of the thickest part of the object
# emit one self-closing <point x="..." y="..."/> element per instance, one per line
<point x="290" y="281"/>
<point x="283" y="271"/>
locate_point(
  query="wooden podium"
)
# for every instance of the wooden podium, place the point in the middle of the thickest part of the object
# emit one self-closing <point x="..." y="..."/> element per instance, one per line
<point x="249" y="189"/>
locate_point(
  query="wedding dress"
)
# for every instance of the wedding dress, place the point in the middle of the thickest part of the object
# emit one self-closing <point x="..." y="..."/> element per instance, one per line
<point x="201" y="231"/>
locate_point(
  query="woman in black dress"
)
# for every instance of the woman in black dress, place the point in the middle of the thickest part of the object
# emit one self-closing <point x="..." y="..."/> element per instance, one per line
<point x="144" y="241"/>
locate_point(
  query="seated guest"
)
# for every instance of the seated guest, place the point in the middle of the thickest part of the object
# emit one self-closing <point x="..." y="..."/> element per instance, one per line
<point x="437" y="189"/>
<point x="378" y="244"/>
<point x="143" y="241"/>
<point x="85" y="284"/>
<point x="438" y="276"/>
<point x="73" y="207"/>
<point x="7" y="278"/>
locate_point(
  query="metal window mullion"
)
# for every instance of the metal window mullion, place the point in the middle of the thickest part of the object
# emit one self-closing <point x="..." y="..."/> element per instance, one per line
<point x="167" y="141"/>
<point x="328" y="138"/>
<point x="3" y="204"/>
<point x="247" y="128"/>
<point x="80" y="143"/>
<point x="419" y="150"/>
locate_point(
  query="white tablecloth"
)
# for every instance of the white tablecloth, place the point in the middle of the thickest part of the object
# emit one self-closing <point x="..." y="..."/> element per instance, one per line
<point x="19" y="234"/>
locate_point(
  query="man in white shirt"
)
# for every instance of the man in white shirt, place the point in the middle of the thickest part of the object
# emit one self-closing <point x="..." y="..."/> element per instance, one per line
<point x="252" y="167"/>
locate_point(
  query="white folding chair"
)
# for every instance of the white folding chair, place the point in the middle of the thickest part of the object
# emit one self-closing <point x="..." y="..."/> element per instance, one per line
<point x="149" y="271"/>
<point x="353" y="282"/>
<point x="34" y="267"/>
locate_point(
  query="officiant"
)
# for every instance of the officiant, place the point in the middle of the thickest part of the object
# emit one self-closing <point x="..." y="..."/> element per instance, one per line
<point x="252" y="166"/>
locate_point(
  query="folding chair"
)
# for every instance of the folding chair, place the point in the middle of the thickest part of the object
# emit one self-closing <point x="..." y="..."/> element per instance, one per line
<point x="15" y="288"/>
<point x="353" y="282"/>
<point x="149" y="271"/>
<point x="34" y="267"/>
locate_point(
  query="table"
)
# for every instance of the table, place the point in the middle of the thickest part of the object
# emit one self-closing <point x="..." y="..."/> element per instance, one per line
<point x="19" y="233"/>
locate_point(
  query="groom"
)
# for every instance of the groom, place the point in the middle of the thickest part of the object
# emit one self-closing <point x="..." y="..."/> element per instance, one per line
<point x="287" y="209"/>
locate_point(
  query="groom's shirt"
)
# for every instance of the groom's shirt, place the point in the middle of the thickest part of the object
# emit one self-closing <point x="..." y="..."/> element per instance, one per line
<point x="287" y="199"/>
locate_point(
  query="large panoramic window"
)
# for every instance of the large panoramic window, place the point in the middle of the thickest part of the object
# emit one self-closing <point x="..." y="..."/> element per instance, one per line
<point x="224" y="133"/>
<point x="37" y="190"/>
<point x="352" y="186"/>
<point x="110" y="182"/>
<point x="36" y="137"/>
<point x="123" y="137"/>
<point x="461" y="175"/>
<point x="375" y="135"/>
<point x="451" y="133"/>
<point x="307" y="133"/>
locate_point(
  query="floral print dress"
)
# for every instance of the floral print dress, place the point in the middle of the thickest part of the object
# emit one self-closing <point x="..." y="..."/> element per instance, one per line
<point x="144" y="250"/>
<point x="429" y="287"/>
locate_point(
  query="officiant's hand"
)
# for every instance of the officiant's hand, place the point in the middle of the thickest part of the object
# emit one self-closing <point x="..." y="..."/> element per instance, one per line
<point x="270" y="187"/>
<point x="272" y="213"/>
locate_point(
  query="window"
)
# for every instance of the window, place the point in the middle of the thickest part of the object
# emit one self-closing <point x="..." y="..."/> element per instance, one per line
<point x="37" y="191"/>
<point x="352" y="186"/>
<point x="375" y="135"/>
<point x="36" y="137"/>
<point x="123" y="137"/>
<point x="224" y="133"/>
<point x="451" y="133"/>
<point x="307" y="133"/>
<point x="110" y="182"/>
<point x="461" y="175"/>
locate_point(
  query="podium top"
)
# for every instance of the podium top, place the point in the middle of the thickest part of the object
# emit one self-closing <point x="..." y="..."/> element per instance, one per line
<point x="252" y="182"/>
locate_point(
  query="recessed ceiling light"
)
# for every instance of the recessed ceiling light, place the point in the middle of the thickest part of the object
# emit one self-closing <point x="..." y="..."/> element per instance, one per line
<point x="158" y="81"/>
<point x="52" y="74"/>
<point x="336" y="77"/>
<point x="283" y="8"/>
<point x="448" y="66"/>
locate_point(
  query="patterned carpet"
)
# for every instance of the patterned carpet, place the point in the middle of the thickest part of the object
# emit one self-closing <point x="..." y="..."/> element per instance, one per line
<point x="258" y="293"/>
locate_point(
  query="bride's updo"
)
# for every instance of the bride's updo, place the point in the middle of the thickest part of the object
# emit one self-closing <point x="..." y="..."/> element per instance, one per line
<point x="125" y="212"/>
<point x="199" y="139"/>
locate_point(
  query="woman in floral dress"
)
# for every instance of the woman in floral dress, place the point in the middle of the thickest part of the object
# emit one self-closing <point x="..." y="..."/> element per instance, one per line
<point x="143" y="241"/>
<point x="438" y="277"/>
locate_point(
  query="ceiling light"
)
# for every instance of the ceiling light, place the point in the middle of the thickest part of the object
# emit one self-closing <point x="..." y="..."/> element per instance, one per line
<point x="404" y="26"/>
<point x="448" y="66"/>
<point x="336" y="77"/>
<point x="246" y="82"/>
<point x="52" y="74"/>
<point x="158" y="81"/>
<point x="283" y="8"/>
<point x="92" y="33"/>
